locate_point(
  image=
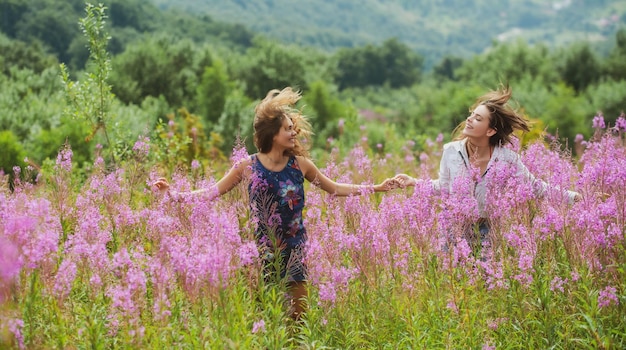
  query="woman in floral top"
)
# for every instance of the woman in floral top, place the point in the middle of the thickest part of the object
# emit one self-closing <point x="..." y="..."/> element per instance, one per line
<point x="276" y="175"/>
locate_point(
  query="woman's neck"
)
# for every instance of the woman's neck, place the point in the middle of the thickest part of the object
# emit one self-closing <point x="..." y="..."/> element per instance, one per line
<point x="274" y="156"/>
<point x="479" y="148"/>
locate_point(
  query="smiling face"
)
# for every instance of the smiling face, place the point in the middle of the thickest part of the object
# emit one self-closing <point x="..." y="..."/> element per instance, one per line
<point x="286" y="135"/>
<point x="477" y="125"/>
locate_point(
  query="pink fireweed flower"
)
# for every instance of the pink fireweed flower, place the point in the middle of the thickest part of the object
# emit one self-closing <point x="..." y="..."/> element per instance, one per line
<point x="247" y="253"/>
<point x="557" y="284"/>
<point x="89" y="242"/>
<point x="507" y="193"/>
<point x="549" y="223"/>
<point x="206" y="251"/>
<point x="10" y="265"/>
<point x="258" y="326"/>
<point x="65" y="278"/>
<point x="127" y="291"/>
<point x="598" y="121"/>
<point x="360" y="161"/>
<point x="64" y="159"/>
<point x="15" y="326"/>
<point x="33" y="228"/>
<point x="195" y="164"/>
<point x="607" y="297"/>
<point x="452" y="306"/>
<point x="496" y="322"/>
<point x="604" y="166"/>
<point x="240" y="153"/>
<point x="493" y="274"/>
<point x="327" y="293"/>
<point x="553" y="173"/>
<point x="620" y="123"/>
<point x="142" y="146"/>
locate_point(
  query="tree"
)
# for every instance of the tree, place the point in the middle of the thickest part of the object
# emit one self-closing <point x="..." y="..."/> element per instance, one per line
<point x="12" y="153"/>
<point x="616" y="62"/>
<point x="393" y="64"/>
<point x="51" y="26"/>
<point x="23" y="56"/>
<point x="401" y="65"/>
<point x="268" y="65"/>
<point x="446" y="68"/>
<point x="212" y="92"/>
<point x="581" y="67"/>
<point x="158" y="66"/>
<point x="509" y="63"/>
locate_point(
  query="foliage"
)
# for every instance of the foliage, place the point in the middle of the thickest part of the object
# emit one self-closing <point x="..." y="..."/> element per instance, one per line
<point x="268" y="65"/>
<point x="212" y="92"/>
<point x="159" y="66"/>
<point x="17" y="54"/>
<point x="581" y="68"/>
<point x="12" y="152"/>
<point x="393" y="65"/>
<point x="109" y="263"/>
<point x="434" y="29"/>
<point x="91" y="100"/>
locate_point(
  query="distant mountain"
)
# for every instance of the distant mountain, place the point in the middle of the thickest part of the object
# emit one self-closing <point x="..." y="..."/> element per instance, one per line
<point x="434" y="28"/>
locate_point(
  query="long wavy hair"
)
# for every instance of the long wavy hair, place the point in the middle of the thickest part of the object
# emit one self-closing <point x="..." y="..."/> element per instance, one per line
<point x="269" y="115"/>
<point x="503" y="118"/>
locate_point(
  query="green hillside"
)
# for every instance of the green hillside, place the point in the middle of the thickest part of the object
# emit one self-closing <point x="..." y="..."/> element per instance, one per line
<point x="435" y="28"/>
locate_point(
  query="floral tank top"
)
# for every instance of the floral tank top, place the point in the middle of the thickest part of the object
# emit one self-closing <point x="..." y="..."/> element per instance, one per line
<point x="277" y="200"/>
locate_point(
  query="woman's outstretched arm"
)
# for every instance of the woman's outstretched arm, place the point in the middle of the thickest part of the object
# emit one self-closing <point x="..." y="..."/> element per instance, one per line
<point x="224" y="185"/>
<point x="316" y="177"/>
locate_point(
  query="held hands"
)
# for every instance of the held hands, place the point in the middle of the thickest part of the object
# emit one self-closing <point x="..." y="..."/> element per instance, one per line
<point x="387" y="185"/>
<point x="396" y="182"/>
<point x="404" y="180"/>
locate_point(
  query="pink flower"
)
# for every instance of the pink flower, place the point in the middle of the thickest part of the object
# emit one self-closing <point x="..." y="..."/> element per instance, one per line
<point x="607" y="297"/>
<point x="64" y="159"/>
<point x="258" y="326"/>
<point x="195" y="164"/>
<point x="142" y="146"/>
<point x="598" y="122"/>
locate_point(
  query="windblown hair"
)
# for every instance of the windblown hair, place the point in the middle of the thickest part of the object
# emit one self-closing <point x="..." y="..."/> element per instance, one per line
<point x="269" y="115"/>
<point x="503" y="118"/>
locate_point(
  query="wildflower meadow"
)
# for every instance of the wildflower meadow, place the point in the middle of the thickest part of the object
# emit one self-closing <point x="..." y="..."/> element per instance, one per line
<point x="107" y="261"/>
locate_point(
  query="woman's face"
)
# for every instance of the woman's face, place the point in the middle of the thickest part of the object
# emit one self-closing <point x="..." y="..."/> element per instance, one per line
<point x="477" y="123"/>
<point x="286" y="136"/>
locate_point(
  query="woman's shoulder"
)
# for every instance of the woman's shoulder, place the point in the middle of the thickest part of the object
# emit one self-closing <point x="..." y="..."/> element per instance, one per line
<point x="453" y="146"/>
<point x="302" y="161"/>
<point x="505" y="154"/>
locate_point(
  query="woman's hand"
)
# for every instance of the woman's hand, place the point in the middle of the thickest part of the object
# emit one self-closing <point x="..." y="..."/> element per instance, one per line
<point x="164" y="187"/>
<point x="161" y="184"/>
<point x="404" y="180"/>
<point x="388" y="184"/>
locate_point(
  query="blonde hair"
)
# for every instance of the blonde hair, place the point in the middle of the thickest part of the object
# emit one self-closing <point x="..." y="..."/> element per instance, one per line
<point x="269" y="115"/>
<point x="503" y="118"/>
